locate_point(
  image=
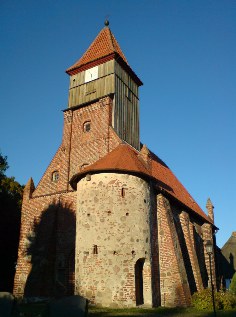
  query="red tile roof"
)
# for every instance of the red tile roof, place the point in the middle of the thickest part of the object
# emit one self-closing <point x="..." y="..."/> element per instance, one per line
<point x="103" y="45"/>
<point x="124" y="158"/>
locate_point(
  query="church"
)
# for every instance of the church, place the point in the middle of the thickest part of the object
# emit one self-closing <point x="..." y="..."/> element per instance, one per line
<point x="109" y="220"/>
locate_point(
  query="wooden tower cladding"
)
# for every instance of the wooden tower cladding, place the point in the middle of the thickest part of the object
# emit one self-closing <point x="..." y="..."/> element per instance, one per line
<point x="125" y="119"/>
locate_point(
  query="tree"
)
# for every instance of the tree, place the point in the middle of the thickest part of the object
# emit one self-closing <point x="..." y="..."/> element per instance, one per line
<point x="232" y="286"/>
<point x="3" y="165"/>
<point x="10" y="206"/>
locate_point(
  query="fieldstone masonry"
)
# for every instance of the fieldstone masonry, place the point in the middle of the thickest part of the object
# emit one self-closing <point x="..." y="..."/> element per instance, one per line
<point x="113" y="214"/>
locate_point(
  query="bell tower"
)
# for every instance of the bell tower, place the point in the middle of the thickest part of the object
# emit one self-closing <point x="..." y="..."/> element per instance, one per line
<point x="103" y="71"/>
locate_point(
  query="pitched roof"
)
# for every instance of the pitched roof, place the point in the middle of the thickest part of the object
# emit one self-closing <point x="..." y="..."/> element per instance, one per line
<point x="162" y="173"/>
<point x="230" y="246"/>
<point x="124" y="158"/>
<point x="229" y="253"/>
<point x="103" y="45"/>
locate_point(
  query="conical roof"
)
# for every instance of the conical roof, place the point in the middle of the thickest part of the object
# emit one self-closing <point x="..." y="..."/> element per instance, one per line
<point x="104" y="44"/>
<point x="126" y="159"/>
<point x="123" y="158"/>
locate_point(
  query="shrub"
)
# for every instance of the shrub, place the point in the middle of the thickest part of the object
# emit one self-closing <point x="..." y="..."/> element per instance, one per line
<point x="202" y="300"/>
<point x="226" y="299"/>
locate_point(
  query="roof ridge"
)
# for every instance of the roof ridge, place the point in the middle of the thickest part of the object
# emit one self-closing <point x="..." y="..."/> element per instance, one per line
<point x="110" y="33"/>
<point x="103" y="45"/>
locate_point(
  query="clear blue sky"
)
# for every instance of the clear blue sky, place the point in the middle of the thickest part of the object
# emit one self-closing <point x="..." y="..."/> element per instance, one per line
<point x="184" y="52"/>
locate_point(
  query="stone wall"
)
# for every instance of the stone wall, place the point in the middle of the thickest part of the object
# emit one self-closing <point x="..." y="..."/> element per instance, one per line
<point x="113" y="240"/>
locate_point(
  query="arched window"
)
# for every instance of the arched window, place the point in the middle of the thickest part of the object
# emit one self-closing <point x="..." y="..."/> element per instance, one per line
<point x="87" y="126"/>
<point x="55" y="176"/>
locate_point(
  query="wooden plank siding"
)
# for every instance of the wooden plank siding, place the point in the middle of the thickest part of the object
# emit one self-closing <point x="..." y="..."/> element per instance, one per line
<point x="126" y="108"/>
<point x="80" y="93"/>
<point x="111" y="79"/>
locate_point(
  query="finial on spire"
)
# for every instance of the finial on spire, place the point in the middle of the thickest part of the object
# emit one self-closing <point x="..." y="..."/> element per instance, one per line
<point x="106" y="22"/>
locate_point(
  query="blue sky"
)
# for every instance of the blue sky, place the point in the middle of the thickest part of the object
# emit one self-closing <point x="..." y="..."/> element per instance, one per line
<point x="183" y="51"/>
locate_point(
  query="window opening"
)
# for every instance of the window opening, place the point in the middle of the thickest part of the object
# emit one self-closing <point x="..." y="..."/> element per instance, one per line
<point x="87" y="126"/>
<point x="55" y="176"/>
<point x="95" y="249"/>
<point x="122" y="192"/>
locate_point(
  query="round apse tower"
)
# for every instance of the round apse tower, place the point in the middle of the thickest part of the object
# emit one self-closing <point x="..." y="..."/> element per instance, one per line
<point x="113" y="249"/>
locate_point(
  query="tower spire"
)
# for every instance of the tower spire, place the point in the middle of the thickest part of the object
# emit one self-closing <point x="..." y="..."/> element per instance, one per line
<point x="104" y="45"/>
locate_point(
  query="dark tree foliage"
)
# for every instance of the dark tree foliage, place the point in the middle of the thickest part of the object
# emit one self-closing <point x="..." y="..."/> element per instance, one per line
<point x="10" y="206"/>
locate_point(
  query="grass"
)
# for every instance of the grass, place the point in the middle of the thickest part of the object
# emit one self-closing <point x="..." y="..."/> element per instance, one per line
<point x="40" y="310"/>
<point x="157" y="312"/>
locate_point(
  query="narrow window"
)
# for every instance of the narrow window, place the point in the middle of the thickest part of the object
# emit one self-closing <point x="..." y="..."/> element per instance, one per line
<point x="122" y="192"/>
<point x="95" y="249"/>
<point x="55" y="176"/>
<point x="87" y="126"/>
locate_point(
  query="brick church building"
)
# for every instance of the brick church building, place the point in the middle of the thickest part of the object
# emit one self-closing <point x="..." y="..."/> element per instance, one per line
<point x="109" y="220"/>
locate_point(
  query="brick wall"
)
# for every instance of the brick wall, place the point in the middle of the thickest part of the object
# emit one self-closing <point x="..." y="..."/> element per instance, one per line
<point x="79" y="147"/>
<point x="174" y="284"/>
<point x="47" y="235"/>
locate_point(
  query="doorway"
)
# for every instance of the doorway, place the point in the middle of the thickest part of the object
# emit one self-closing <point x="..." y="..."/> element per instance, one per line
<point x="139" y="281"/>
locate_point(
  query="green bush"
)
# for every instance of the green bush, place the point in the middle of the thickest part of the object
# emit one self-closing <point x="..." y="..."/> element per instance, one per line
<point x="226" y="299"/>
<point x="202" y="300"/>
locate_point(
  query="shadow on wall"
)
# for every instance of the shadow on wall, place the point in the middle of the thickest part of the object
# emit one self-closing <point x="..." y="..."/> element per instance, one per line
<point x="226" y="268"/>
<point x="186" y="258"/>
<point x="199" y="246"/>
<point x="51" y="252"/>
